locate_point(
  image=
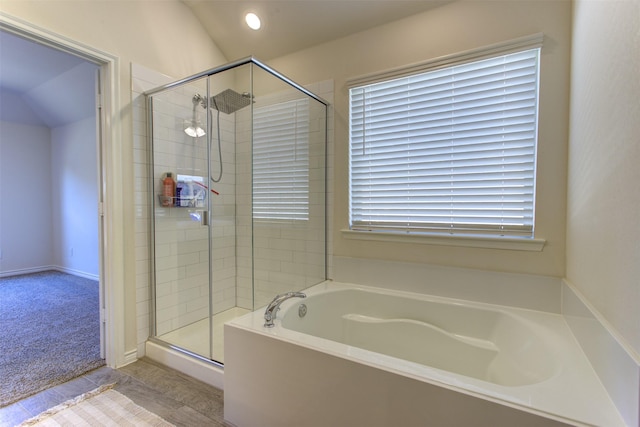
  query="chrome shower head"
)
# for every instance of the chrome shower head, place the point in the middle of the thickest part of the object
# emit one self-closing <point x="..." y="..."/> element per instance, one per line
<point x="229" y="101"/>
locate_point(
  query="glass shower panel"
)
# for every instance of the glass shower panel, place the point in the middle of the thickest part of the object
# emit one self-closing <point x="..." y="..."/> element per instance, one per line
<point x="244" y="218"/>
<point x="181" y="206"/>
<point x="231" y="275"/>
<point x="287" y="159"/>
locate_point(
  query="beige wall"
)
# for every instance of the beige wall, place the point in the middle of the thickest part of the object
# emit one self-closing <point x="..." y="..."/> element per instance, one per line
<point x="453" y="28"/>
<point x="161" y="35"/>
<point x="164" y="36"/>
<point x="603" y="222"/>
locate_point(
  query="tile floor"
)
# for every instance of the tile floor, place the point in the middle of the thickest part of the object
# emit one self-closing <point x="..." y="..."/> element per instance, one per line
<point x="179" y="399"/>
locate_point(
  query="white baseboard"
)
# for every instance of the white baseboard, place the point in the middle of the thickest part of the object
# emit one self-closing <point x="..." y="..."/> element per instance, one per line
<point x="130" y="357"/>
<point x="76" y="273"/>
<point x="30" y="270"/>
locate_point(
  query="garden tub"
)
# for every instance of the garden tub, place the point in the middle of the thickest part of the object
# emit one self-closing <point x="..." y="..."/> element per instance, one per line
<point x="355" y="355"/>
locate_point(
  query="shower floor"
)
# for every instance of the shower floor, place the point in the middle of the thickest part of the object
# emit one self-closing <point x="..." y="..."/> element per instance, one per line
<point x="195" y="337"/>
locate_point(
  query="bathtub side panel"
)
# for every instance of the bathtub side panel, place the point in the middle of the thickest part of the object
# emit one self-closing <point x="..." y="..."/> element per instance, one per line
<point x="269" y="382"/>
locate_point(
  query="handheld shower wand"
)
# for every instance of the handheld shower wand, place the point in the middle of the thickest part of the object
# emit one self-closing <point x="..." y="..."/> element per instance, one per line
<point x="194" y="129"/>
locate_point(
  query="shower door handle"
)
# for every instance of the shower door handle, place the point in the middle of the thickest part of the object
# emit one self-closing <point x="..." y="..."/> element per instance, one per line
<point x="200" y="216"/>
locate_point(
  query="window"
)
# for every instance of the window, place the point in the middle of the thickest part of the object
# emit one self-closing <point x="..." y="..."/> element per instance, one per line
<point x="450" y="150"/>
<point x="281" y="161"/>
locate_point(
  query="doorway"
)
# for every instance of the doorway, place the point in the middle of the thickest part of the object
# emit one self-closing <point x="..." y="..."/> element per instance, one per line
<point x="77" y="169"/>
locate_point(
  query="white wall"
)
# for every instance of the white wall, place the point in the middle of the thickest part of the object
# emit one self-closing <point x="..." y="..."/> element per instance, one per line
<point x="603" y="227"/>
<point x="48" y="198"/>
<point x="74" y="192"/>
<point x="25" y="198"/>
<point x="456" y="27"/>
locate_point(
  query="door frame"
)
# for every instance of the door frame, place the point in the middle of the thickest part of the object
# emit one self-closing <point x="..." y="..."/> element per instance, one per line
<point x="111" y="224"/>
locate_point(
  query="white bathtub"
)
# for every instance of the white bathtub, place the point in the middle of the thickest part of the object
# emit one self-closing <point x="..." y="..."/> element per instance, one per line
<point x="365" y="356"/>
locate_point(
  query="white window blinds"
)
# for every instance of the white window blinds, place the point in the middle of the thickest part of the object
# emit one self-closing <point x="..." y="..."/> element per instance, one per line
<point x="451" y="150"/>
<point x="281" y="161"/>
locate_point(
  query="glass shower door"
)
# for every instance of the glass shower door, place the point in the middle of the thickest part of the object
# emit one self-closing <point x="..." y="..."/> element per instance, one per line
<point x="181" y="207"/>
<point x="230" y="106"/>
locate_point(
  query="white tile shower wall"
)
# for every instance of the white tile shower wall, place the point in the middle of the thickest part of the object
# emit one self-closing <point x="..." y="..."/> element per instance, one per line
<point x="182" y="268"/>
<point x="142" y="79"/>
<point x="181" y="278"/>
<point x="286" y="255"/>
<point x="223" y="230"/>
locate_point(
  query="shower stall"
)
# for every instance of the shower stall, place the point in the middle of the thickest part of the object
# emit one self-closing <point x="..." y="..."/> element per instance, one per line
<point x="238" y="214"/>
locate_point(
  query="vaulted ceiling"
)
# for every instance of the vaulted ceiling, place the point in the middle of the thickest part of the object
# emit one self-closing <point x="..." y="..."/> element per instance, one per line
<point x="42" y="86"/>
<point x="292" y="25"/>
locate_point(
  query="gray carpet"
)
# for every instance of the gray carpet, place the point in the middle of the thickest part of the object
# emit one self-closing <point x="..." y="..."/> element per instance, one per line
<point x="49" y="332"/>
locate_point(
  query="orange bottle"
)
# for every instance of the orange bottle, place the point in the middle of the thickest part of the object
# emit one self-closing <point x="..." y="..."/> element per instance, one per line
<point x="168" y="190"/>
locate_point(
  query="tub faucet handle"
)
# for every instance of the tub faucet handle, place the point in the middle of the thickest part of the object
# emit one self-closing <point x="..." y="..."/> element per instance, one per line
<point x="274" y="306"/>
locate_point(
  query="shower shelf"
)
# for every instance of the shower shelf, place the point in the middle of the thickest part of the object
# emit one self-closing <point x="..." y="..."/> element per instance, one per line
<point x="172" y="204"/>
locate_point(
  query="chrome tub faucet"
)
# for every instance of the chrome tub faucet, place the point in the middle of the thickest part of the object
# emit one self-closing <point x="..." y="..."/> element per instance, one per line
<point x="274" y="306"/>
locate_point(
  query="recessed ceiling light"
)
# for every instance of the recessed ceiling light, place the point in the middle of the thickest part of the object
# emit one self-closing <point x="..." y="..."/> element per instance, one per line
<point x="252" y="20"/>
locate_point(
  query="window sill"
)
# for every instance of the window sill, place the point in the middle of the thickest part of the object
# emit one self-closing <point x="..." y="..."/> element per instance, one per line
<point x="487" y="242"/>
